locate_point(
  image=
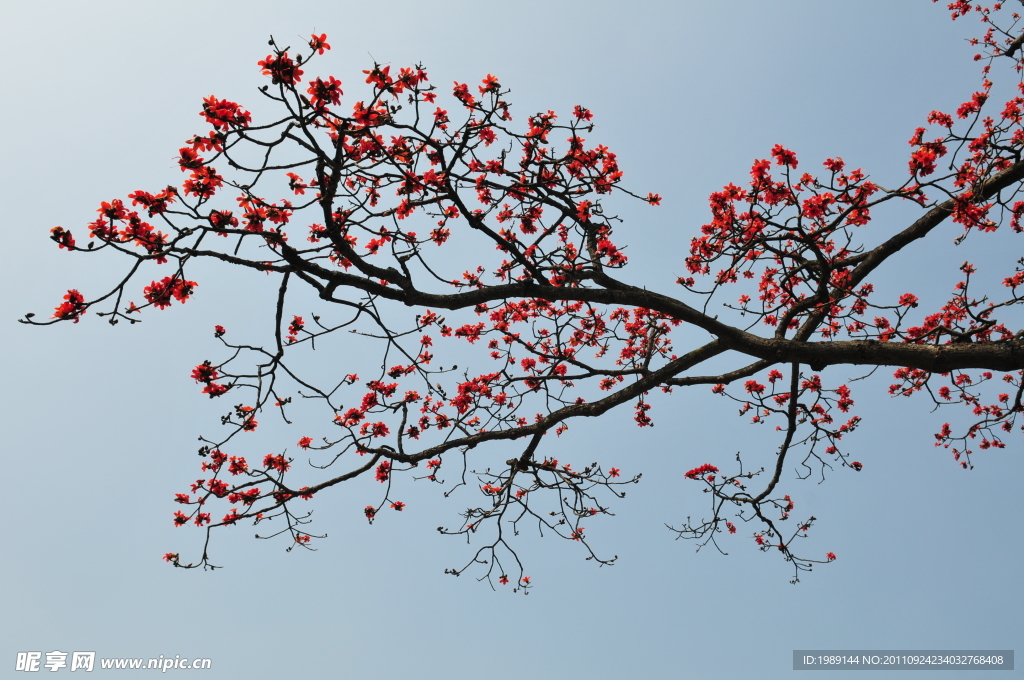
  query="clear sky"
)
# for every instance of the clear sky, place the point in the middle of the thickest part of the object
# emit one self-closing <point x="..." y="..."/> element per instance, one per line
<point x="99" y="424"/>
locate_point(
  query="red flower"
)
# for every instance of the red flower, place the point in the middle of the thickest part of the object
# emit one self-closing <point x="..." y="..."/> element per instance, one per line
<point x="171" y="557"/>
<point x="614" y="472"/>
<point x="384" y="471"/>
<point x="351" y="417"/>
<point x="856" y="466"/>
<point x="784" y="156"/>
<point x="940" y="118"/>
<point x="325" y="92"/>
<point x="366" y="117"/>
<point x="582" y="113"/>
<point x="159" y="293"/>
<point x="908" y="300"/>
<point x="379" y="77"/>
<point x="374" y="429"/>
<point x="215" y="390"/>
<point x="370" y="511"/>
<point x="302" y="538"/>
<point x="282" y="70"/>
<point x="221" y="113"/>
<point x="248" y="497"/>
<point x="490" y="84"/>
<point x="180" y="518"/>
<point x="217" y="488"/>
<point x="223" y="220"/>
<point x="218" y="457"/>
<point x="72" y="308"/>
<point x="319" y="43"/>
<point x="398" y="505"/>
<point x="204" y="372"/>
<point x="641" y="417"/>
<point x="272" y="462"/>
<point x="830" y="556"/>
<point x="296" y="325"/>
<point x="238" y="465"/>
<point x="203" y="183"/>
<point x="922" y="161"/>
<point x="503" y="580"/>
<point x="731" y="526"/>
<point x="702" y="470"/>
<point x="188" y="159"/>
<point x="461" y="92"/>
<point x="63" y="238"/>
<point x="834" y="164"/>
<point x="305" y="442"/>
<point x="154" y="205"/>
<point x="114" y="210"/>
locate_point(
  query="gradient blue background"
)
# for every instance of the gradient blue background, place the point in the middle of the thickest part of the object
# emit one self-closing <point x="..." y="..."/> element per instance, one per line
<point x="99" y="424"/>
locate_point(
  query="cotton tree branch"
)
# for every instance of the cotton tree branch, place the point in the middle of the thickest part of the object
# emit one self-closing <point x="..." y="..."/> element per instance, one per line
<point x="567" y="336"/>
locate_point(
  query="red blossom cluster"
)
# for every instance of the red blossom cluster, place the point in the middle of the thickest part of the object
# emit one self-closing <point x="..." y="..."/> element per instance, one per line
<point x="72" y="308"/>
<point x="701" y="471"/>
<point x="160" y="293"/>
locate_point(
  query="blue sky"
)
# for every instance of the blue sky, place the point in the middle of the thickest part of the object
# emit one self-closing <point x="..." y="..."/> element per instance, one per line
<point x="99" y="424"/>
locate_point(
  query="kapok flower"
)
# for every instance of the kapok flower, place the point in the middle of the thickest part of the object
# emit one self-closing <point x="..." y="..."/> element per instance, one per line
<point x="319" y="43"/>
<point x="699" y="471"/>
<point x="72" y="307"/>
<point x="281" y="69"/>
<point x="279" y="462"/>
<point x="784" y="156"/>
